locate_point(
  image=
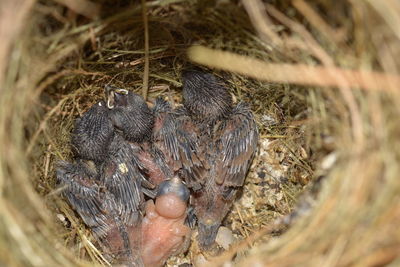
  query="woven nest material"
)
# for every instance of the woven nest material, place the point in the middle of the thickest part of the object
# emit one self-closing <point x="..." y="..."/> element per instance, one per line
<point x="321" y="77"/>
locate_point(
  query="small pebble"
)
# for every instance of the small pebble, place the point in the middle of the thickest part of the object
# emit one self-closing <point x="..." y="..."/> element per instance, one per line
<point x="63" y="219"/>
<point x="225" y="237"/>
<point x="247" y="201"/>
<point x="268" y="120"/>
<point x="328" y="161"/>
<point x="200" y="260"/>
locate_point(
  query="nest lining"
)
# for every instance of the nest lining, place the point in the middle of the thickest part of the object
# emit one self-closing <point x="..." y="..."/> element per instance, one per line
<point x="298" y="126"/>
<point x="116" y="57"/>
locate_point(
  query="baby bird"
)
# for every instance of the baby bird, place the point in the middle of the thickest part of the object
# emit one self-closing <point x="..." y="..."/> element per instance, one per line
<point x="104" y="186"/>
<point x="93" y="133"/>
<point x="226" y="139"/>
<point x="130" y="115"/>
<point x="173" y="140"/>
<point x="117" y="230"/>
<point x="121" y="176"/>
<point x="164" y="230"/>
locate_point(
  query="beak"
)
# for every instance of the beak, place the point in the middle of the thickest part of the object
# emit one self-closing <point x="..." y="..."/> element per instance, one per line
<point x="113" y="94"/>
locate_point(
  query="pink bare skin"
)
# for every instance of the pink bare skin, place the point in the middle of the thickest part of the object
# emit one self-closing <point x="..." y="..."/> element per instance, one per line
<point x="155" y="174"/>
<point x="163" y="230"/>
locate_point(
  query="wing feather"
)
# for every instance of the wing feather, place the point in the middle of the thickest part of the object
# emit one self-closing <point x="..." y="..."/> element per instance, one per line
<point x="237" y="139"/>
<point x="106" y="205"/>
<point x="177" y="137"/>
<point x="122" y="178"/>
<point x="83" y="194"/>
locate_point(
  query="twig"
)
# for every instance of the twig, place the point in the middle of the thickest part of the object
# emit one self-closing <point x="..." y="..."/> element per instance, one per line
<point x="389" y="11"/>
<point x="51" y="79"/>
<point x="47" y="162"/>
<point x="317" y="22"/>
<point x="11" y="24"/>
<point x="342" y="84"/>
<point x="146" y="51"/>
<point x="260" y="21"/>
<point x="245" y="243"/>
<point x="292" y="73"/>
<point x="83" y="7"/>
<point x="42" y="125"/>
<point x="308" y="39"/>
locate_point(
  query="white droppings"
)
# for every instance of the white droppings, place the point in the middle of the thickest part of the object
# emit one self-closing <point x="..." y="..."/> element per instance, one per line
<point x="123" y="168"/>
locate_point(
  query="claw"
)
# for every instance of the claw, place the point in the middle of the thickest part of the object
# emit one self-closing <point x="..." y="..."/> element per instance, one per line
<point x="191" y="218"/>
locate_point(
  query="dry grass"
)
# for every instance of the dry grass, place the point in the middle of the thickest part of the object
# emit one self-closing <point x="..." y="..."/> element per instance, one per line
<point x="322" y="82"/>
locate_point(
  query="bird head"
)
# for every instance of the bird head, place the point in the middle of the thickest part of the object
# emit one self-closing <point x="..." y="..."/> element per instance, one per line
<point x="172" y="198"/>
<point x="93" y="133"/>
<point x="205" y="96"/>
<point x="174" y="186"/>
<point x="115" y="96"/>
<point x="130" y="114"/>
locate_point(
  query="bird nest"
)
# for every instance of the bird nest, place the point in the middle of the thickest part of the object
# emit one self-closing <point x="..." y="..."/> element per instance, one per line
<point x="321" y="81"/>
